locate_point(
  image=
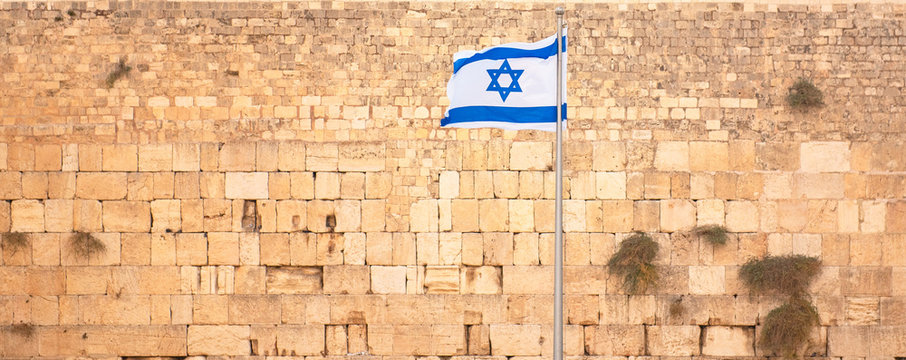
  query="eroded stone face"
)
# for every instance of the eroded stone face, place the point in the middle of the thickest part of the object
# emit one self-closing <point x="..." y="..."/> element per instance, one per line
<point x="270" y="179"/>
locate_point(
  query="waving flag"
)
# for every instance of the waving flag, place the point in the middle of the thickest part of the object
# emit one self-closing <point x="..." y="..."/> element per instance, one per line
<point x="511" y="86"/>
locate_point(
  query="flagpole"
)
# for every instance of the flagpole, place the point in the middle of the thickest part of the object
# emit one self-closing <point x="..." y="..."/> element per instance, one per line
<point x="558" y="221"/>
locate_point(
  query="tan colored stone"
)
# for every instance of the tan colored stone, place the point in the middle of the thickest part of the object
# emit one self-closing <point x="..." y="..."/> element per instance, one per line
<point x="293" y="280"/>
<point x="388" y="279"/>
<point x="101" y="186"/>
<point x="361" y="156"/>
<point x="218" y="340"/>
<point x="424" y="216"/>
<point x="676" y="215"/>
<point x="530" y="155"/>
<point x="490" y="215"/>
<point x="513" y="340"/>
<point x="441" y="279"/>
<point x="672" y="156"/>
<point x="615" y="340"/>
<point x="120" y="157"/>
<point x="825" y="156"/>
<point x="708" y="156"/>
<point x="481" y="280"/>
<point x="127" y="216"/>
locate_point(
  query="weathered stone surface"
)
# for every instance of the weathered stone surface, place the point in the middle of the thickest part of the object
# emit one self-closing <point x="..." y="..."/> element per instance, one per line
<point x="515" y="340"/>
<point x="218" y="340"/>
<point x="728" y="341"/>
<point x="615" y="340"/>
<point x="293" y="280"/>
<point x="824" y="156"/>
<point x="299" y="340"/>
<point x="146" y="340"/>
<point x="361" y="156"/>
<point x="531" y="156"/>
<point x="673" y="340"/>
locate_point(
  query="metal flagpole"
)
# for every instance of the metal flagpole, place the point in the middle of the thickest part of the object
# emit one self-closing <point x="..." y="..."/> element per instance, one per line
<point x="558" y="222"/>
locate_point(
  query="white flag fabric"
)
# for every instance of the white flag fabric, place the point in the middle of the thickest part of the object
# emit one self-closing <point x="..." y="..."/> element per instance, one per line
<point x="511" y="86"/>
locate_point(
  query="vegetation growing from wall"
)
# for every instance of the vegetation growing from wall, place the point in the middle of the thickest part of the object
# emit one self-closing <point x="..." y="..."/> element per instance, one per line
<point x="714" y="234"/>
<point x="84" y="244"/>
<point x="785" y="275"/>
<point x="785" y="330"/>
<point x="804" y="94"/>
<point x="120" y="71"/>
<point x="24" y="330"/>
<point x="634" y="263"/>
<point x="14" y="242"/>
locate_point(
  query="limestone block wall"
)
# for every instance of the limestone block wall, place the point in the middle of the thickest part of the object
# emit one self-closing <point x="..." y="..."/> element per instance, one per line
<point x="270" y="179"/>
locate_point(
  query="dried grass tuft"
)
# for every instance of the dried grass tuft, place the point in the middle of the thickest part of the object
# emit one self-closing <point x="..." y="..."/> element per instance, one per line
<point x="634" y="262"/>
<point x="787" y="328"/>
<point x="804" y="94"/>
<point x="714" y="234"/>
<point x="787" y="275"/>
<point x="14" y="242"/>
<point x="84" y="244"/>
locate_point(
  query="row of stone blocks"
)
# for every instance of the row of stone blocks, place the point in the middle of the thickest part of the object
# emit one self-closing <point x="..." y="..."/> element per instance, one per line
<point x="437" y="249"/>
<point x="528" y="341"/>
<point x="357" y="279"/>
<point x="445" y="216"/>
<point x="484" y="184"/>
<point x="122" y="307"/>
<point x="735" y="155"/>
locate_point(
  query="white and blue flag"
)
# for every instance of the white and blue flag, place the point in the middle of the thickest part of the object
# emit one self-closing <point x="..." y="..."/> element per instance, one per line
<point x="511" y="86"/>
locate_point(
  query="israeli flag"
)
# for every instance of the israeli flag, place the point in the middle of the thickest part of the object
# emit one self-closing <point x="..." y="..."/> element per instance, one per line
<point x="511" y="86"/>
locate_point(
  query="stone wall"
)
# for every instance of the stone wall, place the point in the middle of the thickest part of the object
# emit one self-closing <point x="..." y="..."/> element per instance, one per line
<point x="270" y="178"/>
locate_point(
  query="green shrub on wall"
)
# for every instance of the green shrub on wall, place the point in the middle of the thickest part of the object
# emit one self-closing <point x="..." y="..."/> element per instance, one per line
<point x="634" y="263"/>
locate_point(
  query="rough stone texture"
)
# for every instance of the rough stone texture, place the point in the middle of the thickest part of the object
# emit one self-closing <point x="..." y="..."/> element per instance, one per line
<point x="287" y="156"/>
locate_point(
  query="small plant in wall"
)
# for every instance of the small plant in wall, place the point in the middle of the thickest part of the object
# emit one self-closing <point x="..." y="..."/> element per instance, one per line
<point x="714" y="234"/>
<point x="634" y="262"/>
<point x="804" y="94"/>
<point x="120" y="70"/>
<point x="785" y="330"/>
<point x="23" y="330"/>
<point x="84" y="244"/>
<point x="13" y="242"/>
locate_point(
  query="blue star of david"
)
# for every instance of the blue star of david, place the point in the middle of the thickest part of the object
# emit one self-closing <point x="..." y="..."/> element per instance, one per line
<point x="514" y="84"/>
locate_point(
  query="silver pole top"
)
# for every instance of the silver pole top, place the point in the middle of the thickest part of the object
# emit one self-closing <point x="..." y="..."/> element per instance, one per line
<point x="559" y="10"/>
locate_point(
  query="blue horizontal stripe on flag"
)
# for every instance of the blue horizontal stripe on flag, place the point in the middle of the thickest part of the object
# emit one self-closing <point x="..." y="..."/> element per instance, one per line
<point x="509" y="53"/>
<point x="513" y="115"/>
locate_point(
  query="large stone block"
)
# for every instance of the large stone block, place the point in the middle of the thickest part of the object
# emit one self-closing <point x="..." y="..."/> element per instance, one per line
<point x="388" y="279"/>
<point x="424" y="216"/>
<point x="708" y="156"/>
<point x="346" y="279"/>
<point x="672" y="156"/>
<point x="515" y="340"/>
<point x="218" y="340"/>
<point x="140" y="341"/>
<point x="490" y="217"/>
<point x="528" y="279"/>
<point x="728" y="341"/>
<point x="362" y="156"/>
<point x="441" y="279"/>
<point x="673" y="340"/>
<point x="481" y="280"/>
<point x="531" y="155"/>
<point x="824" y="156"/>
<point x="677" y="215"/>
<point x="293" y="280"/>
<point x="615" y="340"/>
<point x="299" y="340"/>
<point x="101" y="186"/>
<point x="246" y="185"/>
<point x="127" y="216"/>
